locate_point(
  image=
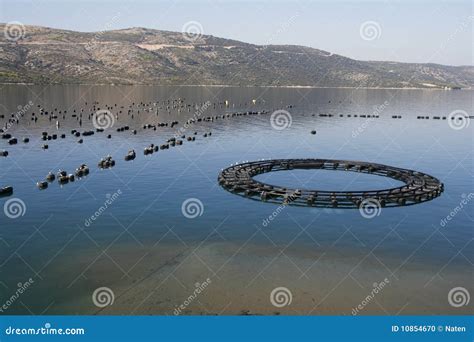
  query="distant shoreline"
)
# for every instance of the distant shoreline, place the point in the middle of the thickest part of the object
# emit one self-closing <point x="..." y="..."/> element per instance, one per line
<point x="227" y="86"/>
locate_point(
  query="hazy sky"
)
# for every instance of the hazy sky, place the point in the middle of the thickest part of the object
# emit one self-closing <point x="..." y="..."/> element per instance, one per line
<point x="403" y="30"/>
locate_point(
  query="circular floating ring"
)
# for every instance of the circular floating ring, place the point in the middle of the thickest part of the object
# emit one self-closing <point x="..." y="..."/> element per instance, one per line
<point x="419" y="187"/>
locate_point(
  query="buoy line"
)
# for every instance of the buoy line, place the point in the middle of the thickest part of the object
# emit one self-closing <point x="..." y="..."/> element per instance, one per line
<point x="419" y="187"/>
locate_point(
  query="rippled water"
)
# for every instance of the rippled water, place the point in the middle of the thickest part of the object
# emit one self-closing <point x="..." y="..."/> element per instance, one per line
<point x="57" y="243"/>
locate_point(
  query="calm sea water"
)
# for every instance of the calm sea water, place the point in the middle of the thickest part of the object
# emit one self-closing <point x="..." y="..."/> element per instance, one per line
<point x="53" y="234"/>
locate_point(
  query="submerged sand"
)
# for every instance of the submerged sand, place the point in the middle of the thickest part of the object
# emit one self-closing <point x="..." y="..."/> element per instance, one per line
<point x="223" y="278"/>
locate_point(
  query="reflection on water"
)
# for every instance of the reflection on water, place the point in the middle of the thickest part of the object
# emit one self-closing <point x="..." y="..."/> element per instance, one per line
<point x="326" y="180"/>
<point x="143" y="231"/>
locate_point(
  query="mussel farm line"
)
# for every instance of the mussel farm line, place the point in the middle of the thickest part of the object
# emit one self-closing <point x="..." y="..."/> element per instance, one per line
<point x="157" y="109"/>
<point x="419" y="187"/>
<point x="92" y="110"/>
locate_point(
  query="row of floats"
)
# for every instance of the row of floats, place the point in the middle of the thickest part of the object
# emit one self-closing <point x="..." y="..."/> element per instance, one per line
<point x="105" y="163"/>
<point x="63" y="177"/>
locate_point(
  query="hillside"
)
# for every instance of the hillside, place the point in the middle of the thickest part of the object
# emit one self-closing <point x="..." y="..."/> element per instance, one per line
<point x="145" y="56"/>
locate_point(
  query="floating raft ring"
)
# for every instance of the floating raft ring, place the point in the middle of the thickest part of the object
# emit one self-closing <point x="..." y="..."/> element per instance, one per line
<point x="419" y="187"/>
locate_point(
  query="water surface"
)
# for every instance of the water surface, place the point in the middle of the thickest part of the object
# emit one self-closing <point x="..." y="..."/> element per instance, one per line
<point x="151" y="255"/>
